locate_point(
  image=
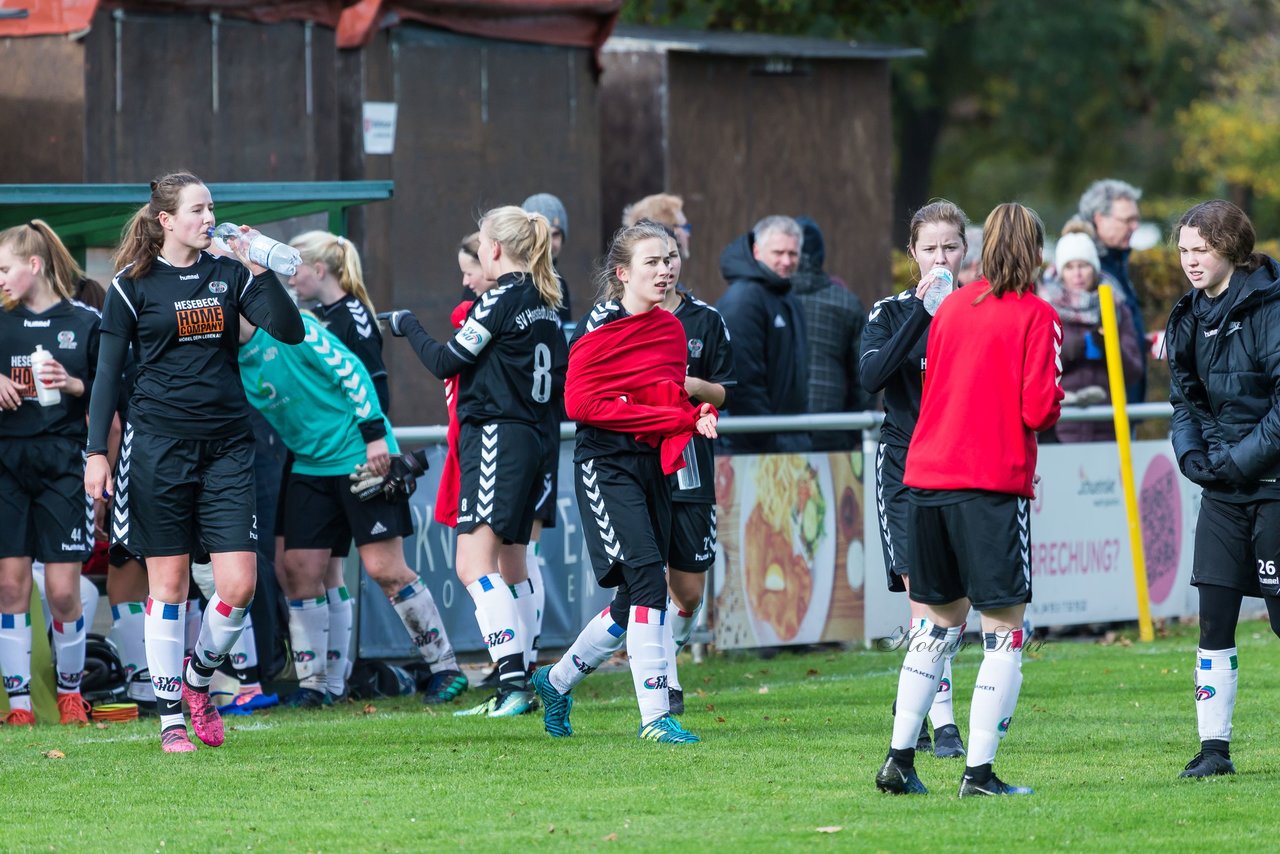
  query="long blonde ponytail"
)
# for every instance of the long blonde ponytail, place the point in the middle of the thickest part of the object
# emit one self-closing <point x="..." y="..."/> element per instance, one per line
<point x="339" y="257"/>
<point x="526" y="238"/>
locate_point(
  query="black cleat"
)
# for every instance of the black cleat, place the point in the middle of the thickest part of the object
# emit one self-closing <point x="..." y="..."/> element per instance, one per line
<point x="676" y="697"/>
<point x="305" y="698"/>
<point x="947" y="743"/>
<point x="923" y="745"/>
<point x="969" y="787"/>
<point x="898" y="778"/>
<point x="1208" y="764"/>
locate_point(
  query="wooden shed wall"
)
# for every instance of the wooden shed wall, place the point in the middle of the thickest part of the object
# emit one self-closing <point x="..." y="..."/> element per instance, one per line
<point x="159" y="114"/>
<point x="633" y="132"/>
<point x="42" y="84"/>
<point x="740" y="145"/>
<point x="480" y="124"/>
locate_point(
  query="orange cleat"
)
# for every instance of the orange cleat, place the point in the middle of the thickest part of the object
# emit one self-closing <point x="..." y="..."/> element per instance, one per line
<point x="20" y="717"/>
<point x="72" y="709"/>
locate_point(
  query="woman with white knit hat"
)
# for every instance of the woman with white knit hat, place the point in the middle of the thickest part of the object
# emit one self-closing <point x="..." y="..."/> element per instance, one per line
<point x="1074" y="293"/>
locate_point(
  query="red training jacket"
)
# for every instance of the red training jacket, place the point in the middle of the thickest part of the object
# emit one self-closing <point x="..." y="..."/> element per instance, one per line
<point x="994" y="380"/>
<point x="450" y="490"/>
<point x="628" y="376"/>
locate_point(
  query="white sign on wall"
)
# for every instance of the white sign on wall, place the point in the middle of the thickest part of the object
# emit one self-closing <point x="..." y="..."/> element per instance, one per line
<point x="379" y="127"/>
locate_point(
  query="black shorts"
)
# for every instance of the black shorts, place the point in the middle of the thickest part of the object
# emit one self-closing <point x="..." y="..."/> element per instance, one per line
<point x="174" y="496"/>
<point x="693" y="536"/>
<point x="546" y="511"/>
<point x="1237" y="545"/>
<point x="320" y="511"/>
<point x="44" y="512"/>
<point x="625" y="501"/>
<point x="893" y="507"/>
<point x="979" y="547"/>
<point x="502" y="478"/>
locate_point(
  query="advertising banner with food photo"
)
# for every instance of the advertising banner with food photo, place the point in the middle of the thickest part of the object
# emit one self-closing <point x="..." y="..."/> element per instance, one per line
<point x="789" y="564"/>
<point x="1081" y="559"/>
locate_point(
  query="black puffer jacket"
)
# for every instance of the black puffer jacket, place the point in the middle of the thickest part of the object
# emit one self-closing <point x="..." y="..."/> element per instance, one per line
<point x="770" y="347"/>
<point x="1230" y="404"/>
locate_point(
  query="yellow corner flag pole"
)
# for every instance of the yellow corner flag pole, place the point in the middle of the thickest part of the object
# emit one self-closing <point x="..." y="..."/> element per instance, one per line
<point x="1115" y="373"/>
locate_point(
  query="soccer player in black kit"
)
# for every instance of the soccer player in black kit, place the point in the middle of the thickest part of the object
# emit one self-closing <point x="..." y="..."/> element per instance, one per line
<point x="693" y="508"/>
<point x="893" y="360"/>
<point x="626" y="390"/>
<point x="509" y="372"/>
<point x="189" y="464"/>
<point x="43" y="513"/>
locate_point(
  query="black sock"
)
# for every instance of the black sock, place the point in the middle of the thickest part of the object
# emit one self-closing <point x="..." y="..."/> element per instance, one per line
<point x="907" y="756"/>
<point x="1214" y="745"/>
<point x="204" y="673"/>
<point x="979" y="773"/>
<point x="511" y="673"/>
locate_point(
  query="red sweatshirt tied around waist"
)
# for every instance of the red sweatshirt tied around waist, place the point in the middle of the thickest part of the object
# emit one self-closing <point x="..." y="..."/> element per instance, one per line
<point x="628" y="376"/>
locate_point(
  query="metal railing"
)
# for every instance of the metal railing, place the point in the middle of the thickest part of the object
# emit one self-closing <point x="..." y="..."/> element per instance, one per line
<point x="730" y="424"/>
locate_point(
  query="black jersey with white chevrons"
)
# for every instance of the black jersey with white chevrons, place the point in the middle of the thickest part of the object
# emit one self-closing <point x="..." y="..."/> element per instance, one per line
<point x="354" y="325"/>
<point x="69" y="331"/>
<point x="513" y="349"/>
<point x="710" y="358"/>
<point x="894" y="343"/>
<point x="590" y="442"/>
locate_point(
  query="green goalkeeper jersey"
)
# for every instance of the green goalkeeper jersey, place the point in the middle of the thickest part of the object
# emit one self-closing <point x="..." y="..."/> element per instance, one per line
<point x="318" y="397"/>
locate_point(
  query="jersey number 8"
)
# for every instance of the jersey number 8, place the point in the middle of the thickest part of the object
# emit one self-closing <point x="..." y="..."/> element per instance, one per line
<point x="541" y="373"/>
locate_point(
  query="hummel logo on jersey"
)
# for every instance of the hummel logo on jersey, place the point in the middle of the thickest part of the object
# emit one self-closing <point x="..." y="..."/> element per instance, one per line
<point x="1209" y="333"/>
<point x="36" y="324"/>
<point x="188" y="278"/>
<point x="779" y="323"/>
<point x="378" y="528"/>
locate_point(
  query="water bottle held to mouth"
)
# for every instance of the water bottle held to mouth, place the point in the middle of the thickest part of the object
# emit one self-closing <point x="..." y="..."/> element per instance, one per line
<point x="262" y="250"/>
<point x="943" y="285"/>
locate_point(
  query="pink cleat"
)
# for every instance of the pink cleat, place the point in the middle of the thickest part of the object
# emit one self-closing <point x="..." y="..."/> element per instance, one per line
<point x="205" y="719"/>
<point x="175" y="741"/>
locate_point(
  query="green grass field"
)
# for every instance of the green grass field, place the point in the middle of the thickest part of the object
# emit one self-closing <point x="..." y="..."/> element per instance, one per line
<point x="790" y="746"/>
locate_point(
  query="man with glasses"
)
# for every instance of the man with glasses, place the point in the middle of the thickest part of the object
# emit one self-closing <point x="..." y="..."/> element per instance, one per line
<point x="1111" y="207"/>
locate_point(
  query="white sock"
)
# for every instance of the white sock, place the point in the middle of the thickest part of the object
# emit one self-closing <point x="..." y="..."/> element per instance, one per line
<point x="1217" y="673"/>
<point x="15" y="659"/>
<point x="942" y="712"/>
<point x="599" y="639"/>
<point x="646" y="649"/>
<point x="995" y="694"/>
<point x="244" y="655"/>
<point x="68" y="654"/>
<point x="165" y="638"/>
<point x="922" y="667"/>
<point x="421" y="618"/>
<point x="527" y="612"/>
<point x="533" y="563"/>
<point x="308" y="637"/>
<point x="682" y="623"/>
<point x="222" y="624"/>
<point x="89" y="597"/>
<point x="126" y="634"/>
<point x="493" y="598"/>
<point x="340" y="618"/>
<point x="192" y="626"/>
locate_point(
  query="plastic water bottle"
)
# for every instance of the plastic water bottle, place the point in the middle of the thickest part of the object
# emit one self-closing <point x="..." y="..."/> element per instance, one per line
<point x="279" y="257"/>
<point x="45" y="395"/>
<point x="689" y="477"/>
<point x="939" y="290"/>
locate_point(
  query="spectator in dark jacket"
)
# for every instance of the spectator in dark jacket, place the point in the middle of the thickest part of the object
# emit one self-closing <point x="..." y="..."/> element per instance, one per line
<point x="766" y="323"/>
<point x="1074" y="294"/>
<point x="834" y="319"/>
<point x="1224" y="363"/>
<point x="1111" y="208"/>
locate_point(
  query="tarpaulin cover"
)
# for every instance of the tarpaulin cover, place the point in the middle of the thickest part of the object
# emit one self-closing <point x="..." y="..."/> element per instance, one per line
<point x="572" y="23"/>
